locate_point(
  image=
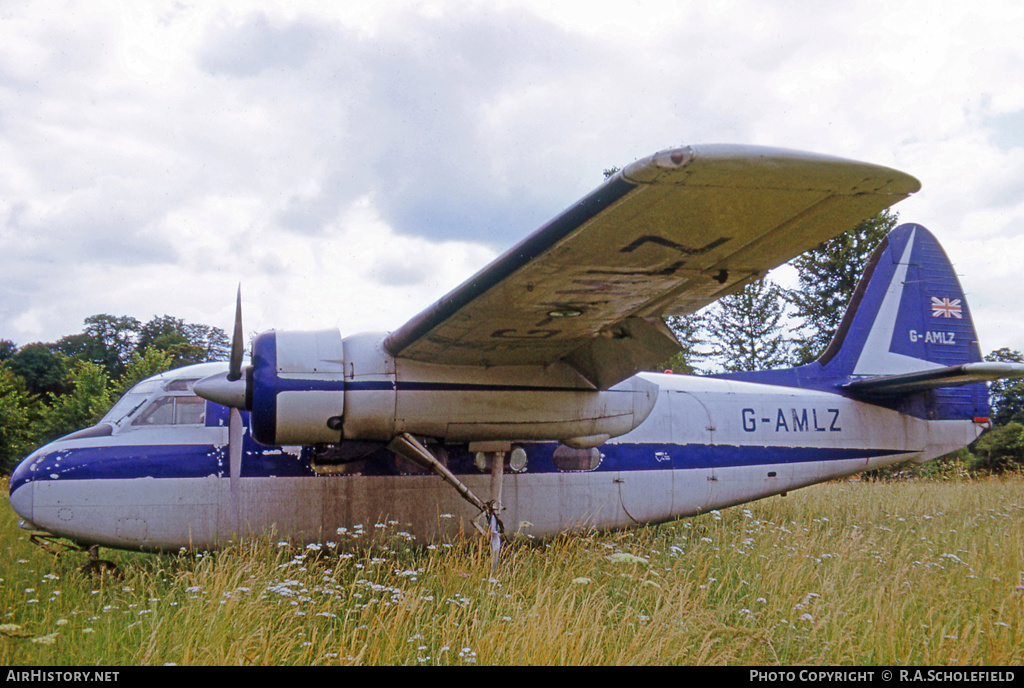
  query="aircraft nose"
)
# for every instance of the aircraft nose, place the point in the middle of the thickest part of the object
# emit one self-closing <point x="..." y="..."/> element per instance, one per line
<point x="21" y="489"/>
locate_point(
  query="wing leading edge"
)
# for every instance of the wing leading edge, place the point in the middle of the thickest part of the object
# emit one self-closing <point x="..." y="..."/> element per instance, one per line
<point x="667" y="235"/>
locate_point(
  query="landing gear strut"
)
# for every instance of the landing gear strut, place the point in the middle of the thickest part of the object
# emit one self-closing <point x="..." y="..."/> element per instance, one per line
<point x="408" y="446"/>
<point x="99" y="567"/>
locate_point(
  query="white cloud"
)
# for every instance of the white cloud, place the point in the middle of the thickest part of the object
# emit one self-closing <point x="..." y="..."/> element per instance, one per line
<point x="348" y="164"/>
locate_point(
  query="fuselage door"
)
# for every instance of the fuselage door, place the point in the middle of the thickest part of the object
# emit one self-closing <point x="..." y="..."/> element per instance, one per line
<point x="693" y="458"/>
<point x="669" y="462"/>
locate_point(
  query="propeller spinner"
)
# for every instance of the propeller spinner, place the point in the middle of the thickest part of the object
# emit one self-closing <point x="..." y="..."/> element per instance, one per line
<point x="230" y="388"/>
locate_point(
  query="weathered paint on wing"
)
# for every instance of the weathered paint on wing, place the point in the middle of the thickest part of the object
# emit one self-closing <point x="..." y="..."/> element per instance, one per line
<point x="667" y="235"/>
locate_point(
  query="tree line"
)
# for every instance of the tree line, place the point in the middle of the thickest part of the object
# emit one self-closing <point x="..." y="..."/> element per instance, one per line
<point x="50" y="389"/>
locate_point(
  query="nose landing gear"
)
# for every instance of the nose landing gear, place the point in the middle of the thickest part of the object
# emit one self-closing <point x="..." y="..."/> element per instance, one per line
<point x="99" y="567"/>
<point x="94" y="567"/>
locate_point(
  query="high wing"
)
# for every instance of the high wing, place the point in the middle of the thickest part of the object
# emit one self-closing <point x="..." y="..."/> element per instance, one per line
<point x="667" y="235"/>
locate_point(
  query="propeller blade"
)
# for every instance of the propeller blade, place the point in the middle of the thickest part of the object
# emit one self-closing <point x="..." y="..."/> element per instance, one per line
<point x="237" y="343"/>
<point x="495" y="542"/>
<point x="235" y="432"/>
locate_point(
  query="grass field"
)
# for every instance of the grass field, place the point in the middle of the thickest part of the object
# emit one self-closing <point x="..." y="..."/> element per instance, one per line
<point x="849" y="573"/>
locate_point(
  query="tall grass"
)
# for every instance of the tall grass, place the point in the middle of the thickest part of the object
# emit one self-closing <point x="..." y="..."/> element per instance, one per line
<point x="842" y="573"/>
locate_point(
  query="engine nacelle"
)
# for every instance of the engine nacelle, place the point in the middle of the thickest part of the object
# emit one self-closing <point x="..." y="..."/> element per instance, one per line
<point x="314" y="387"/>
<point x="297" y="390"/>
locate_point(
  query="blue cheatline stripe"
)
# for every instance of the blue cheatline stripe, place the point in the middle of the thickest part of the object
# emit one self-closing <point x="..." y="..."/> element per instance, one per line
<point x="299" y="385"/>
<point x="388" y="385"/>
<point x="201" y="461"/>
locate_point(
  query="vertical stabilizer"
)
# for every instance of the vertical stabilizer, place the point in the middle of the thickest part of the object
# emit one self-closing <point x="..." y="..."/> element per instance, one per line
<point x="907" y="339"/>
<point x="907" y="315"/>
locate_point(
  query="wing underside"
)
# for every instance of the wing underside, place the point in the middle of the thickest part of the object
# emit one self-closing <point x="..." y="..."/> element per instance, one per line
<point x="667" y="235"/>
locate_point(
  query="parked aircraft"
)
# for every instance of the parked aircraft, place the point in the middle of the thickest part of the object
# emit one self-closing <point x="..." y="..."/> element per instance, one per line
<point x="516" y="400"/>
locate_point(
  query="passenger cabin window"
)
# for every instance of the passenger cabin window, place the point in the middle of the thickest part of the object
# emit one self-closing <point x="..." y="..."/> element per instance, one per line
<point x="569" y="459"/>
<point x="180" y="410"/>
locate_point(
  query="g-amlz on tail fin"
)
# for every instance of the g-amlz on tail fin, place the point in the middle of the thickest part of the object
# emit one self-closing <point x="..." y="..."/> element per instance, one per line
<point x="908" y="336"/>
<point x="907" y="315"/>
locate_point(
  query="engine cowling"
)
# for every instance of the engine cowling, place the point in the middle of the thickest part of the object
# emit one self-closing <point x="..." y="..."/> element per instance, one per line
<point x="314" y="387"/>
<point x="297" y="390"/>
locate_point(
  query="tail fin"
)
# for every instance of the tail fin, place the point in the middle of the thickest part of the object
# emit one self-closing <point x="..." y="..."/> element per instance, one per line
<point x="907" y="339"/>
<point x="907" y="315"/>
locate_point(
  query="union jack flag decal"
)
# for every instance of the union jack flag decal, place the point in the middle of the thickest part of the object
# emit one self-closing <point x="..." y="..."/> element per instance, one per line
<point x="946" y="308"/>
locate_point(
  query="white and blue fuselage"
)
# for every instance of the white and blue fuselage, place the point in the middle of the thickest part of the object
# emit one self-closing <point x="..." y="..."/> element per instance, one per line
<point x="519" y="385"/>
<point x="159" y="481"/>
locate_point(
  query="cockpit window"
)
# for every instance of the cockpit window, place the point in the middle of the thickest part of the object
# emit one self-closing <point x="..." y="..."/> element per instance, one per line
<point x="173" y="410"/>
<point x="125" y="407"/>
<point x="146" y="387"/>
<point x="130" y="402"/>
<point x="159" y="412"/>
<point x="189" y="411"/>
<point x="180" y="385"/>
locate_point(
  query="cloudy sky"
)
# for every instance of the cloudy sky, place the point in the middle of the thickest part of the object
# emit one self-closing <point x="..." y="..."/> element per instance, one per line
<point x="349" y="163"/>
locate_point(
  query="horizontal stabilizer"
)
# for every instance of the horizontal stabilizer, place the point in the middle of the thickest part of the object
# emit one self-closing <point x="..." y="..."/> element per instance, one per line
<point x="951" y="376"/>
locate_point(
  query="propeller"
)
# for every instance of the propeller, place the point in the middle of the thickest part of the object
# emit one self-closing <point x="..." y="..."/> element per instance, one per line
<point x="237" y="346"/>
<point x="229" y="389"/>
<point x="235" y="430"/>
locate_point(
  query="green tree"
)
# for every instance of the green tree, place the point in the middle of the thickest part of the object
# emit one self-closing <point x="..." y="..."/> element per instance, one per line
<point x="17" y="411"/>
<point x="213" y="341"/>
<point x="828" y="276"/>
<point x="691" y="331"/>
<point x="89" y="398"/>
<point x="7" y="349"/>
<point x="105" y="339"/>
<point x="42" y="367"/>
<point x="1006" y="396"/>
<point x="186" y="342"/>
<point x="1000" y="449"/>
<point x="150" y="362"/>
<point x="745" y="328"/>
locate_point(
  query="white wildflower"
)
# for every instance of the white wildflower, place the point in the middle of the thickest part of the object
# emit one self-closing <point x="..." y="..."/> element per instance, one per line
<point x="626" y="558"/>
